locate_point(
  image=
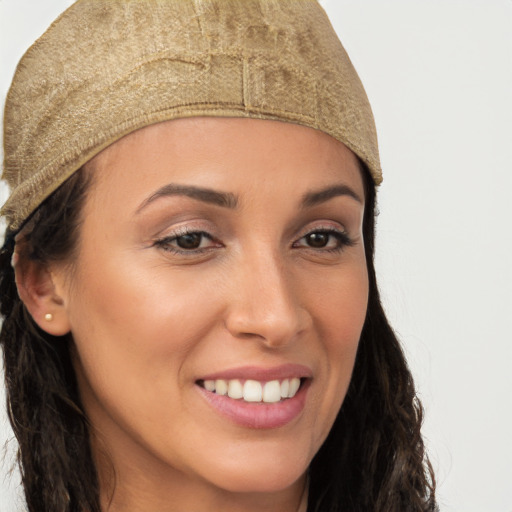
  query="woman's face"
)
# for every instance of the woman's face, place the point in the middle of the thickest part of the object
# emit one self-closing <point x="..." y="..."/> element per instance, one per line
<point x="214" y="254"/>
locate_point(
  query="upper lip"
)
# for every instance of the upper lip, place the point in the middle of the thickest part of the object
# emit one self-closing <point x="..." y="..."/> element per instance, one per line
<point x="281" y="372"/>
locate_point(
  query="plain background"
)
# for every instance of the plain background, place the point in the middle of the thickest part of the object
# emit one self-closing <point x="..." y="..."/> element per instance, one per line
<point x="439" y="76"/>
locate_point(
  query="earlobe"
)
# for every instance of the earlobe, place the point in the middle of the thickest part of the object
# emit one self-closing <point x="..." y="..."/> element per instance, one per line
<point x="36" y="288"/>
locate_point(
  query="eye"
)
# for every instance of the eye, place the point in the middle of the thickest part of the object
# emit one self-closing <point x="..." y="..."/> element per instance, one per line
<point x="187" y="242"/>
<point x="324" y="239"/>
<point x="318" y="240"/>
<point x="190" y="241"/>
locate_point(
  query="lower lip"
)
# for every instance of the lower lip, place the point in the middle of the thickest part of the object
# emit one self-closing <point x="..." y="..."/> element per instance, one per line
<point x="258" y="415"/>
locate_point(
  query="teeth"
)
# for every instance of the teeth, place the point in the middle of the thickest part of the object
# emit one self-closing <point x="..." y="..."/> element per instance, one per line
<point x="294" y="387"/>
<point x="235" y="389"/>
<point x="272" y="391"/>
<point x="285" y="388"/>
<point x="209" y="385"/>
<point x="254" y="391"/>
<point x="221" y="387"/>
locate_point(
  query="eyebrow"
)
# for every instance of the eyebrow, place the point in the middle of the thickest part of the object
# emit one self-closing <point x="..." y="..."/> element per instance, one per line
<point x="229" y="200"/>
<point x="321" y="196"/>
<point x="206" y="195"/>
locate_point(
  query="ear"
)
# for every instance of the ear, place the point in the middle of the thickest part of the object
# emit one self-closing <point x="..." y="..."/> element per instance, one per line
<point x="42" y="298"/>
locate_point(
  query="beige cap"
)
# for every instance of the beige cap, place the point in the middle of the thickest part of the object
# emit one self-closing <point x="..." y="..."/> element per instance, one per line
<point x="105" y="68"/>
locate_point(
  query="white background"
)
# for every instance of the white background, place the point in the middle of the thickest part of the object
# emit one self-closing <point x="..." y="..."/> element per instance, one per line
<point x="439" y="77"/>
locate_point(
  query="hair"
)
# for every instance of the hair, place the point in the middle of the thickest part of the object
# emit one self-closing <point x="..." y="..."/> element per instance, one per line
<point x="43" y="402"/>
<point x="373" y="458"/>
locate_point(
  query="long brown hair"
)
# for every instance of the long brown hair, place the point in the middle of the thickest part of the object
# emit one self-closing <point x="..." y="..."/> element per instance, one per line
<point x="373" y="459"/>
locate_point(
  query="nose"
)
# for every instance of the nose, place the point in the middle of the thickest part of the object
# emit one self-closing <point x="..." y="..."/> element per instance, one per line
<point x="265" y="303"/>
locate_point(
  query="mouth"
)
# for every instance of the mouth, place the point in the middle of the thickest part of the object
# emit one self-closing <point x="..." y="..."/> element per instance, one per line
<point x="258" y="398"/>
<point x="254" y="391"/>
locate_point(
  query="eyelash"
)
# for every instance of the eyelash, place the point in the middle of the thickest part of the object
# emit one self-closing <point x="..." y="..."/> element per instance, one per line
<point x="165" y="243"/>
<point x="342" y="241"/>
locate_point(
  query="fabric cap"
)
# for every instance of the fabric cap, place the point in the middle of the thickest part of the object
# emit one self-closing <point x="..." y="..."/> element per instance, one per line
<point x="105" y="68"/>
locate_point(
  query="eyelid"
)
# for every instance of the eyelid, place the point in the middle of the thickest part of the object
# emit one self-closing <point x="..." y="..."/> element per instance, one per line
<point x="324" y="227"/>
<point x="185" y="230"/>
<point x="183" y="227"/>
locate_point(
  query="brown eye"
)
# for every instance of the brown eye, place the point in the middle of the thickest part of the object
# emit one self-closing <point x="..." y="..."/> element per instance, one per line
<point x="326" y="240"/>
<point x="189" y="241"/>
<point x="317" y="240"/>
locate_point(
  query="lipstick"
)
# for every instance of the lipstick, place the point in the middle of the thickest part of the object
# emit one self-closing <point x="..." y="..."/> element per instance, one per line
<point x="258" y="398"/>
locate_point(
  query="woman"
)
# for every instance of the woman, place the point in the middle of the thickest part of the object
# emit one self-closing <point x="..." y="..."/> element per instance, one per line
<point x="191" y="317"/>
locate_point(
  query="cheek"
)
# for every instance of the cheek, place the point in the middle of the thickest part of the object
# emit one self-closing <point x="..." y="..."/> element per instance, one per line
<point x="140" y="306"/>
<point x="135" y="330"/>
<point x="340" y="312"/>
<point x="340" y="303"/>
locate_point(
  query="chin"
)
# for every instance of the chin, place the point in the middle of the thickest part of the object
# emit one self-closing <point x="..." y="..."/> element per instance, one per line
<point x="267" y="472"/>
<point x="260" y="482"/>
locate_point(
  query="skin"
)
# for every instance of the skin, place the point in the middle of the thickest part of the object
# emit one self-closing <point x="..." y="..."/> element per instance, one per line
<point x="148" y="322"/>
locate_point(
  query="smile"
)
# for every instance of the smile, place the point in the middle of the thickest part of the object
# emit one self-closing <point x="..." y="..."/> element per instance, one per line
<point x="252" y="390"/>
<point x="258" y="398"/>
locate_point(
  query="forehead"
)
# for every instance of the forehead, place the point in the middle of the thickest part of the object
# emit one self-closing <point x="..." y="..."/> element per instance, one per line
<point x="225" y="152"/>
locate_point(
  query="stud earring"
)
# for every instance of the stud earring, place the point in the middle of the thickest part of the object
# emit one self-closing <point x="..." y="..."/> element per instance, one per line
<point x="14" y="259"/>
<point x="48" y="317"/>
